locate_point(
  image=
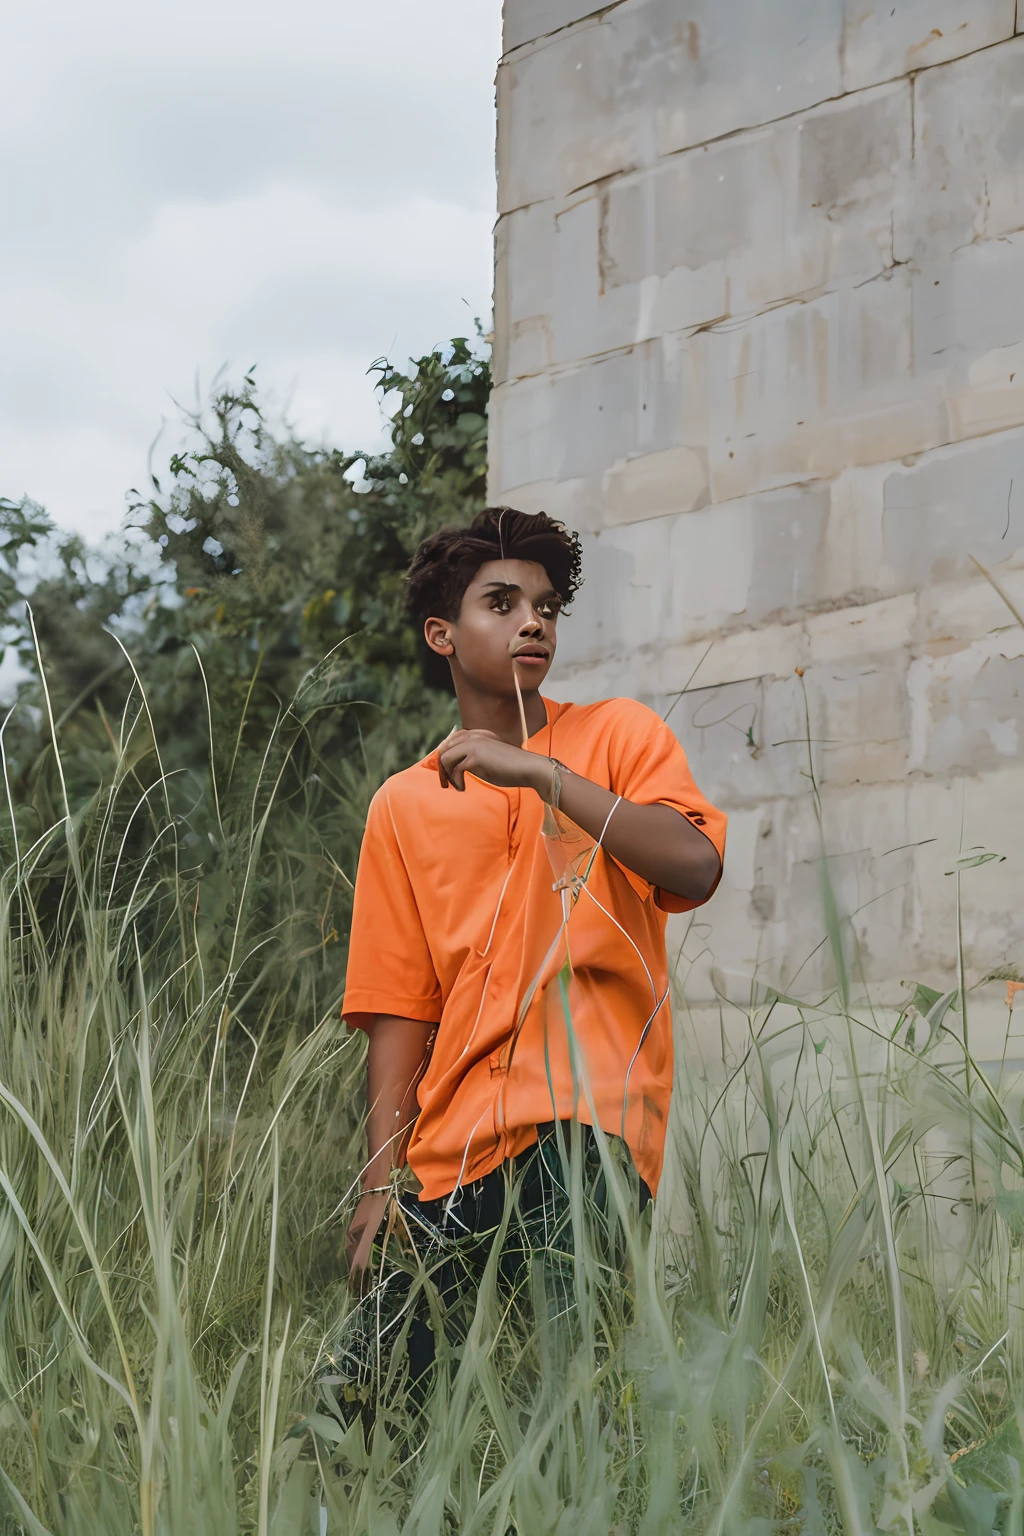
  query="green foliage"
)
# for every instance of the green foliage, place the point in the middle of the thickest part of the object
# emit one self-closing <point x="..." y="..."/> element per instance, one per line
<point x="178" y="1126"/>
<point x="258" y="597"/>
<point x="264" y="557"/>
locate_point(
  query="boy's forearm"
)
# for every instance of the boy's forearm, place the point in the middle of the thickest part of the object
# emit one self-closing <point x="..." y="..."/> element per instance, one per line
<point x="398" y="1053"/>
<point x="655" y="841"/>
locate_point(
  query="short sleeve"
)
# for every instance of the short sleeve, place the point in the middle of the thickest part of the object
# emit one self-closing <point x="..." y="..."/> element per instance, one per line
<point x="389" y="965"/>
<point x="647" y="765"/>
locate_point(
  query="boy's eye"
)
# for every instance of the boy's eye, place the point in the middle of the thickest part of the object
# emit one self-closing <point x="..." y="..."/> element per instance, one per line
<point x="551" y="609"/>
<point x="501" y="603"/>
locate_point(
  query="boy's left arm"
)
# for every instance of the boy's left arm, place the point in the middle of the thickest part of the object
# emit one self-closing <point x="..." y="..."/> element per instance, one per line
<point x="655" y="841"/>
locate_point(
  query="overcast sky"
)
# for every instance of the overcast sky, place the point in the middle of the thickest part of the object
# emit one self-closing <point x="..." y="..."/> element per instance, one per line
<point x="301" y="185"/>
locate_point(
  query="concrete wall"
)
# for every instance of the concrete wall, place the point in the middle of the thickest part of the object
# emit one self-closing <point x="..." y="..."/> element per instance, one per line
<point x="760" y="336"/>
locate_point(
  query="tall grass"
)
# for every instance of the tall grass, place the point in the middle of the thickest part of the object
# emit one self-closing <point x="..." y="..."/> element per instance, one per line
<point x="175" y="1137"/>
<point x="820" y="1327"/>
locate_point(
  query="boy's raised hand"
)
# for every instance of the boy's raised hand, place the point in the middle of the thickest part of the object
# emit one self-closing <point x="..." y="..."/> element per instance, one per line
<point x="485" y="755"/>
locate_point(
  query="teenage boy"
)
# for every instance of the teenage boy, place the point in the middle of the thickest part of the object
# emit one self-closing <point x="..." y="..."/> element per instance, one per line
<point x="507" y="956"/>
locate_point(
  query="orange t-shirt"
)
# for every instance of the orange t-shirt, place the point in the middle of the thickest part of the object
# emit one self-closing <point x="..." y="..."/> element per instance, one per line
<point x="468" y="907"/>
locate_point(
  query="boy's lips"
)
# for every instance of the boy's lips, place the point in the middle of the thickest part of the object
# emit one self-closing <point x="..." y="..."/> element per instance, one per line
<point x="532" y="656"/>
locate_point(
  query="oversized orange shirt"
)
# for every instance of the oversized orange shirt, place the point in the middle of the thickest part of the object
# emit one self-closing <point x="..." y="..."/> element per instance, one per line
<point x="540" y="958"/>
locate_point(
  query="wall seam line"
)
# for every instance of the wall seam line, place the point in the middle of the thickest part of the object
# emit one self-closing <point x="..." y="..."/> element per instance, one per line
<point x="599" y="13"/>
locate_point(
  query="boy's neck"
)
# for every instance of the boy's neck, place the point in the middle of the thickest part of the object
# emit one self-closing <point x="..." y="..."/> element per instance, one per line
<point x="497" y="713"/>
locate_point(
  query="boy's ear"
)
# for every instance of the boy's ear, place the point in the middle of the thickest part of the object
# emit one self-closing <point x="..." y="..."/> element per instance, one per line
<point x="436" y="633"/>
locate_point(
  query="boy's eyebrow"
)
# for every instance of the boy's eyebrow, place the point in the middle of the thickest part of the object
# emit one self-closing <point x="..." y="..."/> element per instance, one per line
<point x="513" y="586"/>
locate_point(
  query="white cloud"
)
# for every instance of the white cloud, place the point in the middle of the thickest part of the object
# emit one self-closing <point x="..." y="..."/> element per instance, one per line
<point x="301" y="187"/>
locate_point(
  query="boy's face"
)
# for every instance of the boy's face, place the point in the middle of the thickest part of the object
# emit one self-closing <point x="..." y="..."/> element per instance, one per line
<point x="505" y="628"/>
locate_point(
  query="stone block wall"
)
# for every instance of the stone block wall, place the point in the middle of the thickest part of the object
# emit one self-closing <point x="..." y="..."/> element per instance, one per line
<point x="759" y="336"/>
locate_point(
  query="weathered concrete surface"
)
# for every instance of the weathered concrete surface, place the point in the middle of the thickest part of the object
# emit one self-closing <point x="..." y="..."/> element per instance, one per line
<point x="623" y="263"/>
<point x="648" y="77"/>
<point x="760" y="337"/>
<point x="968" y="173"/>
<point x="882" y="40"/>
<point x="532" y="19"/>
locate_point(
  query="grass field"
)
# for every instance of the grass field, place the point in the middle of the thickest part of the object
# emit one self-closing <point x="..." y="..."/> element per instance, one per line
<point x="820" y="1332"/>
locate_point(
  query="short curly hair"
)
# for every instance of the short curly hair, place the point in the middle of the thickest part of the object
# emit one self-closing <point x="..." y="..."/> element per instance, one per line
<point x="446" y="562"/>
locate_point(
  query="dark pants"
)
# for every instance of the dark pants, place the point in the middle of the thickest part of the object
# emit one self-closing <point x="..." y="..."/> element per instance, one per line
<point x="446" y="1244"/>
<point x="455" y="1235"/>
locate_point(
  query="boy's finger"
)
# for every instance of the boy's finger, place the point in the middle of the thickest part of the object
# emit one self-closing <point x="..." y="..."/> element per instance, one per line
<point x="456" y="771"/>
<point x="447" y="760"/>
<point x="453" y="763"/>
<point x="351" y="1248"/>
<point x="359" y="1266"/>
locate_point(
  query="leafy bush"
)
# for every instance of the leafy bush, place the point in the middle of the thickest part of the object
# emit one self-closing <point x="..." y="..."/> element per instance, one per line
<point x="257" y="598"/>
